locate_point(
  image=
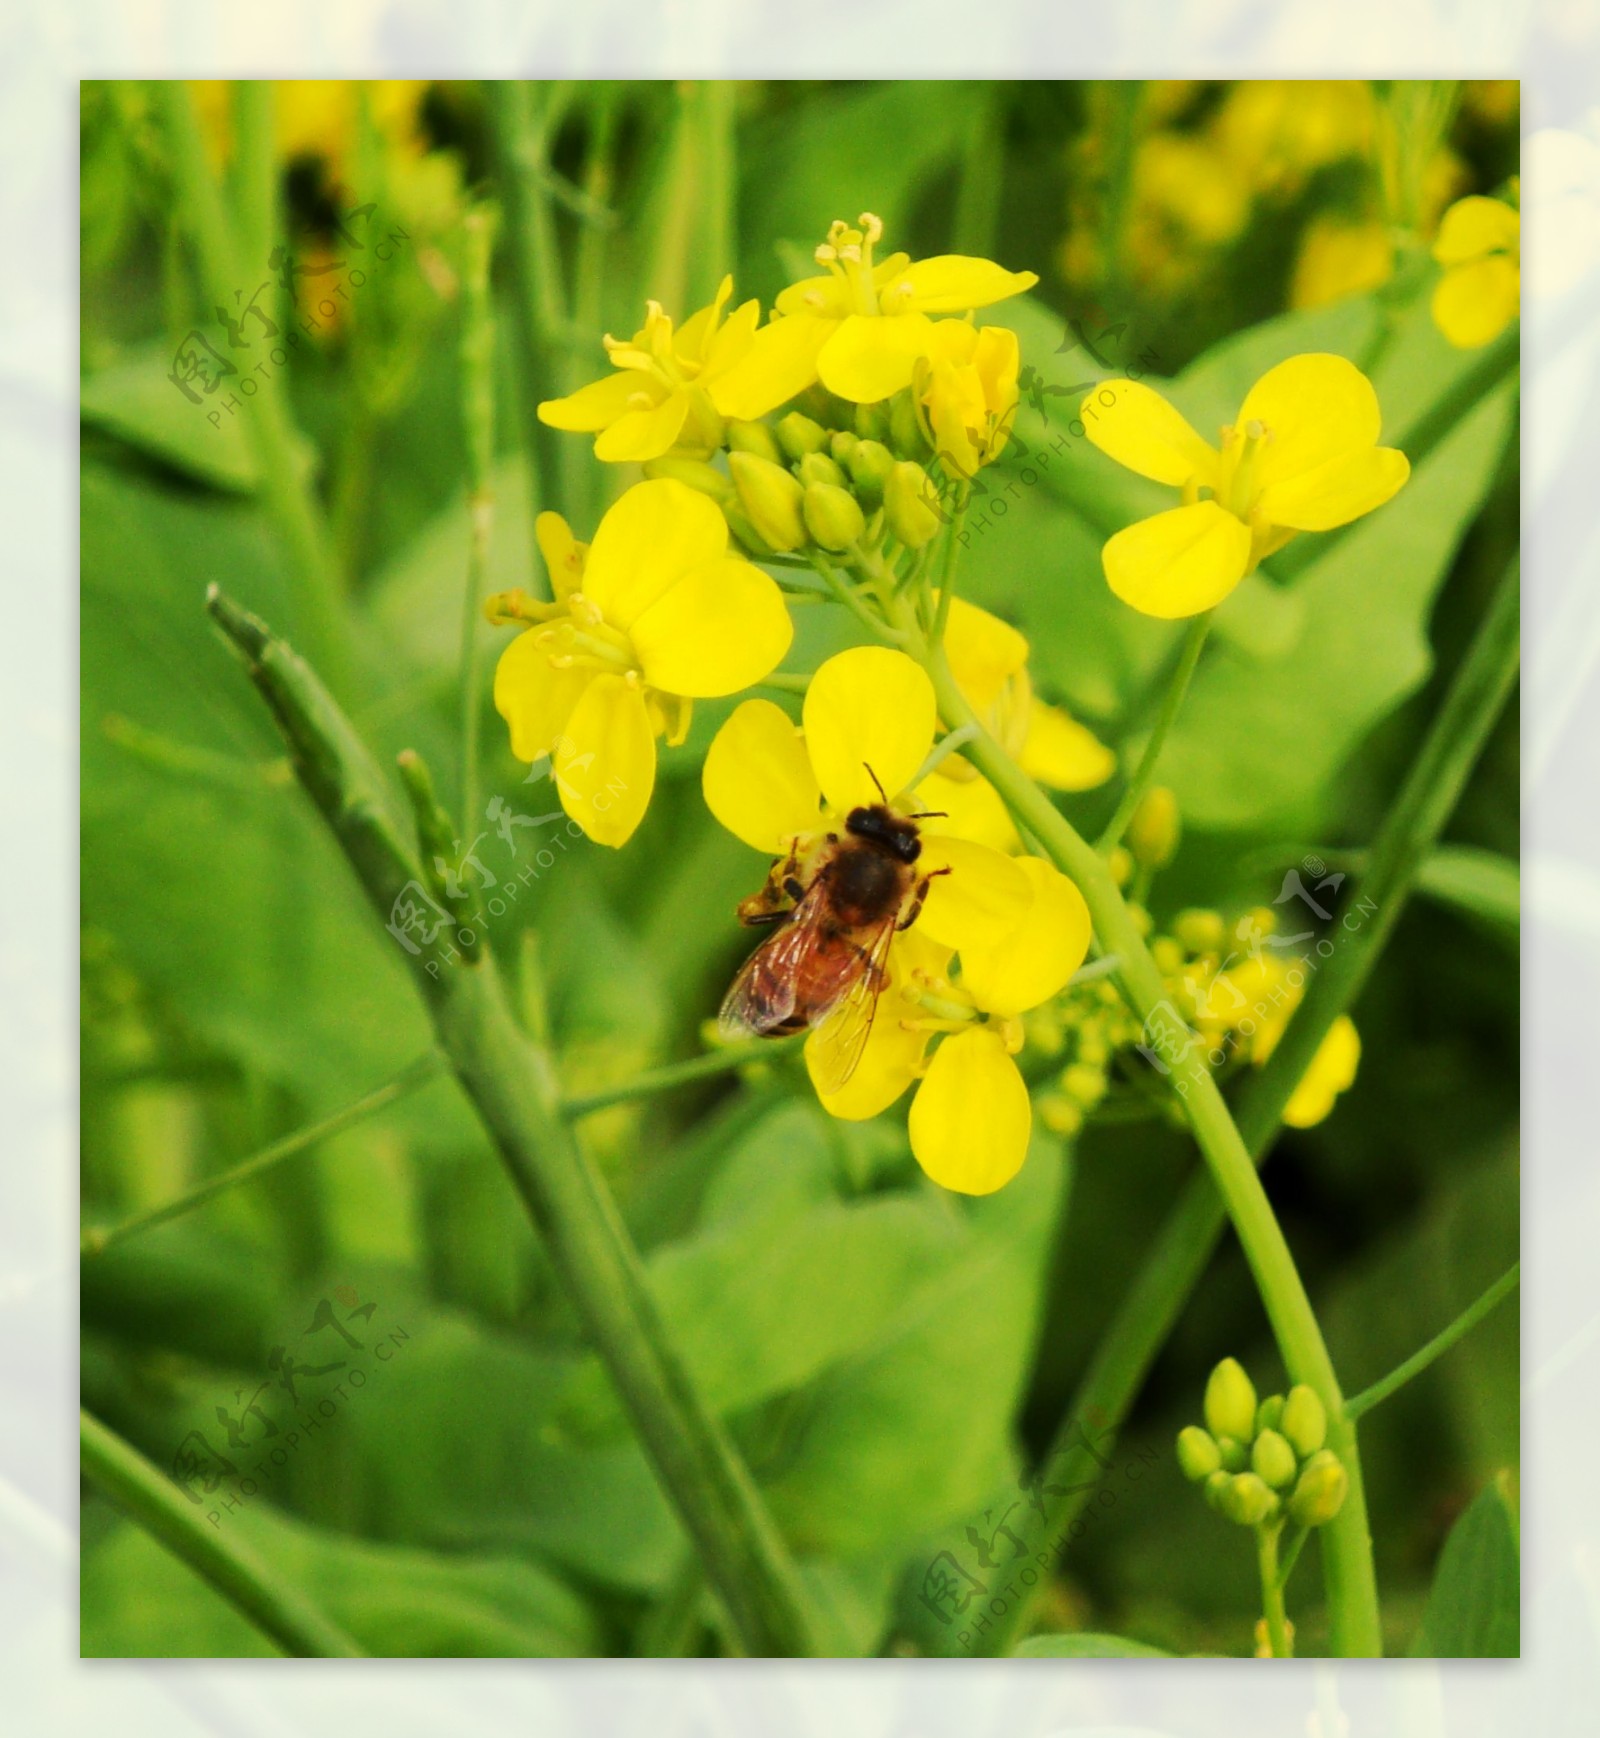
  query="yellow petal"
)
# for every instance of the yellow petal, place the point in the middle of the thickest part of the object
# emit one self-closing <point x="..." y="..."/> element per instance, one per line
<point x="1135" y="425"/>
<point x="971" y="1118"/>
<point x="758" y="780"/>
<point x="781" y="360"/>
<point x="825" y="297"/>
<point x="892" y="1057"/>
<point x="1033" y="961"/>
<point x="1180" y="562"/>
<point x="728" y="346"/>
<point x="950" y="283"/>
<point x="1060" y="752"/>
<point x="971" y="809"/>
<point x="563" y="553"/>
<point x="1475" y="226"/>
<point x="977" y="895"/>
<point x="605" y="762"/>
<point x="649" y="538"/>
<point x="866" y="359"/>
<point x="643" y="434"/>
<point x="717" y="630"/>
<point x="533" y="696"/>
<point x="1314" y="408"/>
<point x="868" y="707"/>
<point x="696" y="332"/>
<point x="1338" y="491"/>
<point x="601" y="402"/>
<point x="1474" y="303"/>
<point x="983" y="652"/>
<point x="1332" y="1069"/>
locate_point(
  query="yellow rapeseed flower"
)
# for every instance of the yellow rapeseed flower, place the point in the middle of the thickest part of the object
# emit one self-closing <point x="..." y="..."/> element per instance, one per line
<point x="971" y="1119"/>
<point x="653" y="615"/>
<point x="1480" y="247"/>
<point x="970" y="391"/>
<point x="1301" y="456"/>
<point x="862" y="328"/>
<point x="670" y="389"/>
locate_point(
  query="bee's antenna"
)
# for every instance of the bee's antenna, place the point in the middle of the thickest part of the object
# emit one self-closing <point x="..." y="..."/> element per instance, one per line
<point x="878" y="782"/>
<point x="930" y="815"/>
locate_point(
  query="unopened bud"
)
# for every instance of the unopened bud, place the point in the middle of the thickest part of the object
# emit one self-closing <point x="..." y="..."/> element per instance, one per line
<point x="1120" y="863"/>
<point x="1230" y="1401"/>
<point x="1198" y="1454"/>
<point x="906" y="433"/>
<point x="1273" y="1459"/>
<point x="697" y="474"/>
<point x="1086" y="1084"/>
<point x="1268" y="1414"/>
<point x="1235" y="1454"/>
<point x="1169" y="957"/>
<point x="833" y="516"/>
<point x="1155" y="829"/>
<point x="1216" y="1484"/>
<point x="870" y="465"/>
<point x="841" y="445"/>
<point x="819" y="468"/>
<point x="1305" y="1422"/>
<point x="1247" y="1499"/>
<point x="1319" y="1495"/>
<point x="772" y="497"/>
<point x="753" y="437"/>
<point x="1199" y="931"/>
<point x="799" y="435"/>
<point x="1060" y="1115"/>
<point x="909" y="505"/>
<point x="872" y="421"/>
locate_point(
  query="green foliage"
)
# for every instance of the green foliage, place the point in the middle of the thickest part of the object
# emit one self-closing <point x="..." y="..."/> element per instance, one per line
<point x="1474" y="1610"/>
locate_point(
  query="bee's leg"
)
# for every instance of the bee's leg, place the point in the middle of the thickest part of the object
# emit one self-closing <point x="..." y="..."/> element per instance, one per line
<point x="917" y="899"/>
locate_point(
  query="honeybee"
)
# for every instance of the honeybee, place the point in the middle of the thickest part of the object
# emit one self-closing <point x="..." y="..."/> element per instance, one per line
<point x="839" y="909"/>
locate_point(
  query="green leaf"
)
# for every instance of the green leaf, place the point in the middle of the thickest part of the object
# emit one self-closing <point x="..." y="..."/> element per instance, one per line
<point x="138" y="1601"/>
<point x="1474" y="1610"/>
<point x="135" y="402"/>
<point x="1086" y="1645"/>
<point x="1481" y="883"/>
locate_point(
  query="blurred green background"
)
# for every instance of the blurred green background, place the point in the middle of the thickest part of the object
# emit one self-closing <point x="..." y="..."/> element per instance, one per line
<point x="889" y="1356"/>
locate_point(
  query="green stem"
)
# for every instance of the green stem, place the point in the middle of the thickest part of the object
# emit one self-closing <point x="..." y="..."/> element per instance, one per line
<point x="225" y="271"/>
<point x="477" y="394"/>
<point x="1272" y="1592"/>
<point x="281" y="1612"/>
<point x="1193" y="642"/>
<point x="1182" y="1250"/>
<point x="97" y="1240"/>
<point x="512" y="1085"/>
<point x="1437" y="1346"/>
<point x="1347" y="1553"/>
<point x="663" y="1079"/>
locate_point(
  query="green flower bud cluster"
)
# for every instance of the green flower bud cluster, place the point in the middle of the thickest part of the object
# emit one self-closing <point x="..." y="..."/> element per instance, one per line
<point x="1261" y="1462"/>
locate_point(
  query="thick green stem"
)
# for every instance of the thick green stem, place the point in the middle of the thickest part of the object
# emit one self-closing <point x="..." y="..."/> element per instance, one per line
<point x="512" y="1085"/>
<point x="1438" y="1345"/>
<point x="1193" y="642"/>
<point x="1272" y="1592"/>
<point x="1347" y="1552"/>
<point x="281" y="1612"/>
<point x="1183" y="1246"/>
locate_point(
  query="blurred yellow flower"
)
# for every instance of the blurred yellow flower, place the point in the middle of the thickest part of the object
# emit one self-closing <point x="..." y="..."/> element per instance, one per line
<point x="671" y="390"/>
<point x="1480" y="247"/>
<point x="971" y="1118"/>
<point x="316" y="117"/>
<point x="970" y="391"/>
<point x="1340" y="257"/>
<point x="862" y="328"/>
<point x="868" y="718"/>
<point x="1278" y="131"/>
<point x="1302" y="456"/>
<point x="654" y="615"/>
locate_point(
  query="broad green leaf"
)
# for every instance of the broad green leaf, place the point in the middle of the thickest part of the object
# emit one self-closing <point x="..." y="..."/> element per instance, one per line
<point x="1474" y="1610"/>
<point x="1086" y="1645"/>
<point x="138" y="1601"/>
<point x="1481" y="883"/>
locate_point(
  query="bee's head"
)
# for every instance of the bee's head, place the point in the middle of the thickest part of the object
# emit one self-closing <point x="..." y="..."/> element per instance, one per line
<point x="878" y="823"/>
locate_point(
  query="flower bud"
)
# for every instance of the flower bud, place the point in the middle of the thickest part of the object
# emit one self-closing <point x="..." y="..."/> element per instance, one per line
<point x="799" y="435"/>
<point x="1200" y="931"/>
<point x="841" y="445"/>
<point x="1216" y="1483"/>
<point x="1247" y="1499"/>
<point x="1198" y="1454"/>
<point x="697" y="474"/>
<point x="870" y="464"/>
<point x="771" y="496"/>
<point x="1273" y="1459"/>
<point x="1319" y="1495"/>
<point x="1235" y="1454"/>
<point x="872" y="421"/>
<point x="1230" y="1401"/>
<point x="819" y="468"/>
<point x="907" y="434"/>
<point x="1120" y="863"/>
<point x="1268" y="1414"/>
<point x="1060" y="1115"/>
<point x="833" y="516"/>
<point x="1086" y="1084"/>
<point x="754" y="437"/>
<point x="909" y="505"/>
<point x="1155" y="829"/>
<point x="1305" y="1423"/>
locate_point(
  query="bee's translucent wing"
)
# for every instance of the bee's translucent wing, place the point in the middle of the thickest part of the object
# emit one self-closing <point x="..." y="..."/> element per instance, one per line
<point x="841" y="1037"/>
<point x="762" y="996"/>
